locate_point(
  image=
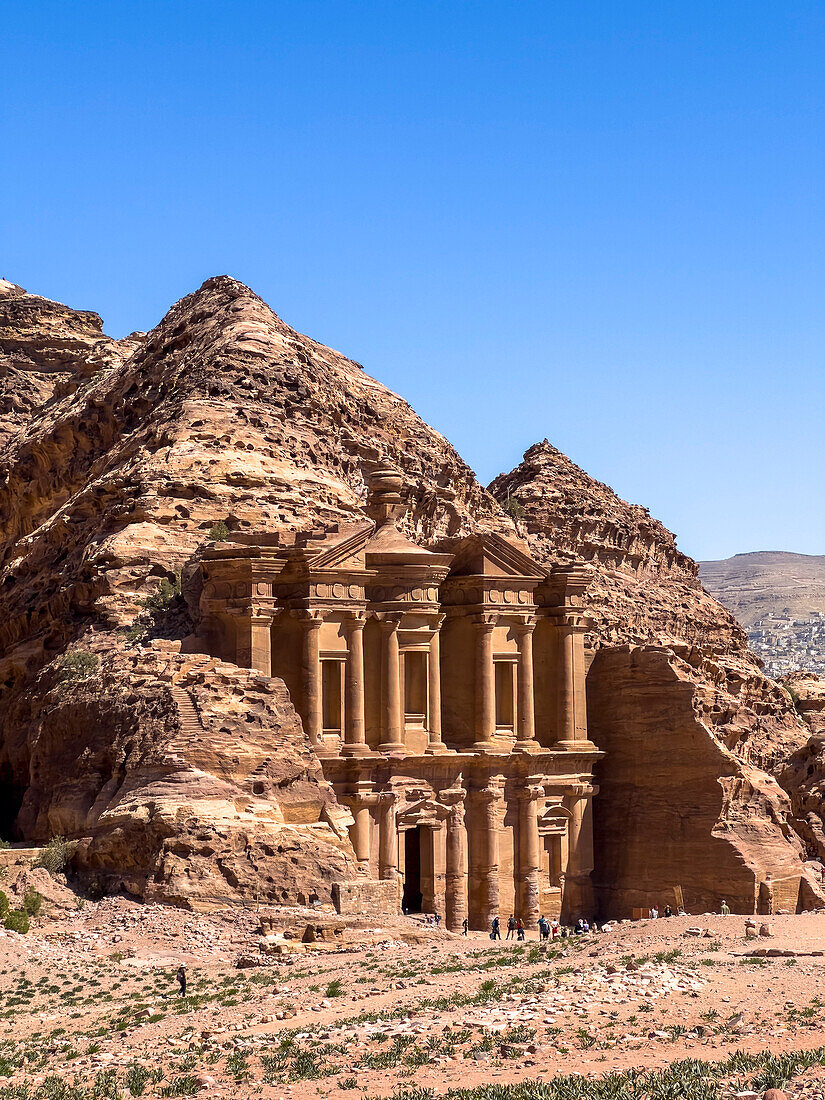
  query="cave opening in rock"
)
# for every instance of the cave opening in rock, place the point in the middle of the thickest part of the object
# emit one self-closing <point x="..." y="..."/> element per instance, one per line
<point x="12" y="793"/>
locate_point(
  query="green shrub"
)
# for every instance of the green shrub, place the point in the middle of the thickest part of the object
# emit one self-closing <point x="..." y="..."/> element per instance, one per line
<point x="17" y="921"/>
<point x="218" y="533"/>
<point x="57" y="855"/>
<point x="513" y="507"/>
<point x="165" y="594"/>
<point x="74" y="667"/>
<point x="4" y="906"/>
<point x="32" y="901"/>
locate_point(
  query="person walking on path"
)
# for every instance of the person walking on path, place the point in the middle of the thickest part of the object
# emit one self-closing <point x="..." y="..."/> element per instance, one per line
<point x="181" y="976"/>
<point x="495" y="932"/>
<point x="465" y="925"/>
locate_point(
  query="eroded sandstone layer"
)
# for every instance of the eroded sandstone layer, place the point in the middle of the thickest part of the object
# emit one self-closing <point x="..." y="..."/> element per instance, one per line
<point x="192" y="780"/>
<point x="644" y="589"/>
<point x="677" y="807"/>
<point x="670" y="662"/>
<point x="115" y="472"/>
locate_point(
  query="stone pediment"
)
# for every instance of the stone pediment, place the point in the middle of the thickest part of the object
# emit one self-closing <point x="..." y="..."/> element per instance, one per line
<point x="491" y="555"/>
<point x="345" y="554"/>
<point x="424" y="812"/>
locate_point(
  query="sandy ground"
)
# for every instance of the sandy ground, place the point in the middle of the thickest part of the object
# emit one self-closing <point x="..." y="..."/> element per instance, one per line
<point x="95" y="991"/>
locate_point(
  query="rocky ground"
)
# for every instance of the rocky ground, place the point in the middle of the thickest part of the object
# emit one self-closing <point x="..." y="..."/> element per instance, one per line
<point x="90" y="1007"/>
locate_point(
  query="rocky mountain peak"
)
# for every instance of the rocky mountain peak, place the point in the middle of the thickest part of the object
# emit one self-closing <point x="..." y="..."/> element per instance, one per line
<point x="645" y="589"/>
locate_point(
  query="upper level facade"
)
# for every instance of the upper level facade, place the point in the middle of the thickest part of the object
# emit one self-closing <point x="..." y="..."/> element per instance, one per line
<point x="389" y="648"/>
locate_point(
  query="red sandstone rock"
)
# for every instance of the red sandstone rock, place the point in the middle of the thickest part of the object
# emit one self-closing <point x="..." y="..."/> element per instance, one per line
<point x="222" y="414"/>
<point x="191" y="781"/>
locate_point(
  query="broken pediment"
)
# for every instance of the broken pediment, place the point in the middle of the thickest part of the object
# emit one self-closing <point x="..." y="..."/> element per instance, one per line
<point x="491" y="555"/>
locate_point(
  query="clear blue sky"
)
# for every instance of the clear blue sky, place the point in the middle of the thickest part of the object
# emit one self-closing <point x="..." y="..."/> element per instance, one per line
<point x="599" y="223"/>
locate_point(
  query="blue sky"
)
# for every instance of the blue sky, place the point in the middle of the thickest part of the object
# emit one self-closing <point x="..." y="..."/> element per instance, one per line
<point x="599" y="223"/>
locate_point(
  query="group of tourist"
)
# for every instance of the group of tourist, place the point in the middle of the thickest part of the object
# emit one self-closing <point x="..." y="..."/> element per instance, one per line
<point x="548" y="929"/>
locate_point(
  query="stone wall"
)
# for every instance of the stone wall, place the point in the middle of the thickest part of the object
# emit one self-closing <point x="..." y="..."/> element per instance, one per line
<point x="367" y="897"/>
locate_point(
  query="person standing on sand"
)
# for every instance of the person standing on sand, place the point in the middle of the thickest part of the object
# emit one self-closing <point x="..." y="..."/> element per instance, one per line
<point x="181" y="976"/>
<point x="495" y="931"/>
<point x="725" y="909"/>
<point x="511" y="927"/>
<point x="520" y="929"/>
<point x="465" y="925"/>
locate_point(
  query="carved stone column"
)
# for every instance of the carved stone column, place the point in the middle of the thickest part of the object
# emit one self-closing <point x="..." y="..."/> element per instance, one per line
<point x="456" y="862"/>
<point x="526" y="739"/>
<point x="360" y="831"/>
<point x="572" y="707"/>
<point x="578" y="900"/>
<point x="311" y="676"/>
<point x="436" y="745"/>
<point x="391" y="665"/>
<point x="387" y="835"/>
<point x="485" y="686"/>
<point x="253" y="641"/>
<point x="433" y="866"/>
<point x="566" y="686"/>
<point x="528" y="862"/>
<point x="490" y="802"/>
<point x="354" y="733"/>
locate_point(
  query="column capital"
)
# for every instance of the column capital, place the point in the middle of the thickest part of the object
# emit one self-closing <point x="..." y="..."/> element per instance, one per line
<point x="582" y="790"/>
<point x="524" y="624"/>
<point x="532" y="790"/>
<point x="492" y="796"/>
<point x="309" y="620"/>
<point x="387" y="799"/>
<point x="355" y="620"/>
<point x="452" y="796"/>
<point x="485" y="621"/>
<point x="389" y="620"/>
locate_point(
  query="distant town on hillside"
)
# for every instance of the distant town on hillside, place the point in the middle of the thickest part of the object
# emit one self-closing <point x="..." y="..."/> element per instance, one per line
<point x="780" y="600"/>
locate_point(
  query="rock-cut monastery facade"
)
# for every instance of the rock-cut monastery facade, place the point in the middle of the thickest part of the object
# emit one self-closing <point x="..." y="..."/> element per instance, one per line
<point x="444" y="693"/>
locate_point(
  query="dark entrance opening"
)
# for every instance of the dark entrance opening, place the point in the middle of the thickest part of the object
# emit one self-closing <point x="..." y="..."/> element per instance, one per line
<point x="11" y="799"/>
<point x="411" y="900"/>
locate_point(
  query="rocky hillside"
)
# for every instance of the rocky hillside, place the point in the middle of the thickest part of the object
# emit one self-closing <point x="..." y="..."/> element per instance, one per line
<point x="673" y="675"/>
<point x="45" y="350"/>
<point x="189" y="779"/>
<point x="644" y="588"/>
<point x="110" y="483"/>
<point x="780" y="600"/>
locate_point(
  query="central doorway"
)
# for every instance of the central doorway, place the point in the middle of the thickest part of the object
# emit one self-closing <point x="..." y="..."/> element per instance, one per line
<point x="412" y="897"/>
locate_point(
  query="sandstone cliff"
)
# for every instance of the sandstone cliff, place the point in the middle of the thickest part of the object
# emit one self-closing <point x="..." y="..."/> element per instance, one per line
<point x="678" y="803"/>
<point x="45" y="349"/>
<point x="644" y="589"/>
<point x="108" y="489"/>
<point x="687" y="685"/>
<point x="191" y="780"/>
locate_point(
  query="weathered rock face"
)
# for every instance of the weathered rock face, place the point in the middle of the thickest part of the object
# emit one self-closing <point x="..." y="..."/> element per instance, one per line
<point x="807" y="690"/>
<point x="46" y="348"/>
<point x="676" y="806"/>
<point x="644" y="589"/>
<point x="646" y="592"/>
<point x="221" y="413"/>
<point x="191" y="780"/>
<point x="803" y="776"/>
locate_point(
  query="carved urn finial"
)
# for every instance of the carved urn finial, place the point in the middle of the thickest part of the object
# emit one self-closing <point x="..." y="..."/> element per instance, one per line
<point x="384" y="504"/>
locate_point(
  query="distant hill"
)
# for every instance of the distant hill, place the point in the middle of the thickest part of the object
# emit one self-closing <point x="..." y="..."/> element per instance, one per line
<point x="780" y="600"/>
